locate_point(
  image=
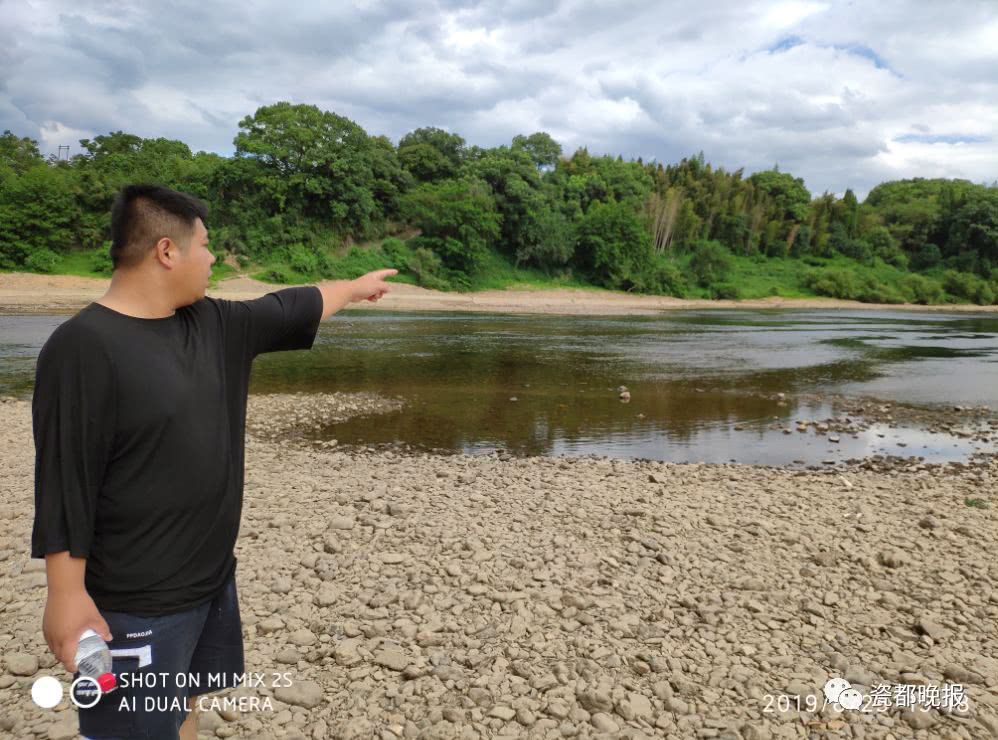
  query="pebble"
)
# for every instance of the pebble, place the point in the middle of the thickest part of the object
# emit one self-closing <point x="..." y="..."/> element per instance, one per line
<point x="392" y="658"/>
<point x="604" y="722"/>
<point x="306" y="694"/>
<point x="502" y="712"/>
<point x="665" y="610"/>
<point x="928" y="522"/>
<point x="933" y="629"/>
<point x="919" y="718"/>
<point x="21" y="664"/>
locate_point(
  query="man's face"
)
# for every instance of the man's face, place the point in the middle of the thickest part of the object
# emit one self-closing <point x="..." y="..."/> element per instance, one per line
<point x="195" y="266"/>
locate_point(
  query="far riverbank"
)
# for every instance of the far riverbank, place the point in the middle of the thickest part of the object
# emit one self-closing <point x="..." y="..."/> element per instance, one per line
<point x="33" y="293"/>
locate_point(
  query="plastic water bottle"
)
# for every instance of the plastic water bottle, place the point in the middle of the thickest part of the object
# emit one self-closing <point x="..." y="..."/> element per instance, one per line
<point x="93" y="659"/>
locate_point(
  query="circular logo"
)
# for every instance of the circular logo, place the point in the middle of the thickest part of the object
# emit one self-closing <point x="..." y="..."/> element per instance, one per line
<point x="46" y="692"/>
<point x="97" y="692"/>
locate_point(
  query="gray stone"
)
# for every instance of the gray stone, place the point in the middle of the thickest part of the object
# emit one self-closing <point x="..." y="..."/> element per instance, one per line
<point x="306" y="694"/>
<point x="525" y="717"/>
<point x="918" y="718"/>
<point x="502" y="712"/>
<point x="892" y="558"/>
<point x="931" y="628"/>
<point x="270" y="624"/>
<point x="327" y="595"/>
<point x="596" y="699"/>
<point x="22" y="664"/>
<point x="634" y="706"/>
<point x="302" y="637"/>
<point x="209" y="721"/>
<point x="604" y="722"/>
<point x="677" y="705"/>
<point x="557" y="709"/>
<point x="392" y="658"/>
<point x="64" y="730"/>
<point x="345" y="653"/>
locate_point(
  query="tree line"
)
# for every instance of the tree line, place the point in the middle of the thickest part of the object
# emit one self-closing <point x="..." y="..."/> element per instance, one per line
<point x="303" y="183"/>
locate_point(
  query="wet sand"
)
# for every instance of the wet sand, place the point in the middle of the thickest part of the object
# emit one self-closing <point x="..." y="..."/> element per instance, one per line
<point x="31" y="293"/>
<point x="412" y="595"/>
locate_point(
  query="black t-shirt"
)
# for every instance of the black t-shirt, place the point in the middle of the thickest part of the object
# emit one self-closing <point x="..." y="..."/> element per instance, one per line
<point x="139" y="430"/>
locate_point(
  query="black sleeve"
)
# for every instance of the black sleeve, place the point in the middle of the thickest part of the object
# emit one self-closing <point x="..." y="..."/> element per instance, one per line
<point x="283" y="320"/>
<point x="73" y="417"/>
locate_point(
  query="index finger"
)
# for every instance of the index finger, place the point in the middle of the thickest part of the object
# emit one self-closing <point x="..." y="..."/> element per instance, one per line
<point x="381" y="274"/>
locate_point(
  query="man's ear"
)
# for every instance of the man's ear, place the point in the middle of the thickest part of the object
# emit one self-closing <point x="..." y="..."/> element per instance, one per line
<point x="166" y="252"/>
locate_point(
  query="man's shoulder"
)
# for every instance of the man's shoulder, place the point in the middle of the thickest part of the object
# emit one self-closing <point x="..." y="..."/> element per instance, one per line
<point x="79" y="336"/>
<point x="84" y="324"/>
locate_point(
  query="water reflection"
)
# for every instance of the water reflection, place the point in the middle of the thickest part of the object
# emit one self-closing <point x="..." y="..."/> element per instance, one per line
<point x="693" y="376"/>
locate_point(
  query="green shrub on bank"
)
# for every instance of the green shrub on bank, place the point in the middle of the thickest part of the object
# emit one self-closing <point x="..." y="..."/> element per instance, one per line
<point x="922" y="290"/>
<point x="724" y="291"/>
<point x="41" y="260"/>
<point x="711" y="263"/>
<point x="396" y="253"/>
<point x="100" y="260"/>
<point x="276" y="275"/>
<point x="668" y="279"/>
<point x="847" y="285"/>
<point x="302" y="259"/>
<point x="428" y="269"/>
<point x="969" y="286"/>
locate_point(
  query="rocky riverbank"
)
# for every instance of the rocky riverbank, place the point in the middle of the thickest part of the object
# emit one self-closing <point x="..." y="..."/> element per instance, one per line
<point x="412" y="595"/>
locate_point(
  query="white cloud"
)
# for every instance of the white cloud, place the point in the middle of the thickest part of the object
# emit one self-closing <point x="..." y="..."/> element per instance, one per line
<point x="842" y="94"/>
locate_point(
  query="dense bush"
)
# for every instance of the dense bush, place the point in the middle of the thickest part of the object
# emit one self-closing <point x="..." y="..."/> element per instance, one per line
<point x="42" y="260"/>
<point x="724" y="291"/>
<point x="613" y="247"/>
<point x="428" y="269"/>
<point x="711" y="263"/>
<point x="100" y="260"/>
<point x="838" y="283"/>
<point x="968" y="286"/>
<point x="923" y="290"/>
<point x="668" y="279"/>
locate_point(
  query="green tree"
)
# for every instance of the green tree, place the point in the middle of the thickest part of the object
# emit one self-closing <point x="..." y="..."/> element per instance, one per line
<point x="975" y="229"/>
<point x="457" y="220"/>
<point x="613" y="247"/>
<point x="315" y="163"/>
<point x="542" y="149"/>
<point x="37" y="211"/>
<point x="425" y="162"/>
<point x="18" y="154"/>
<point x="431" y="153"/>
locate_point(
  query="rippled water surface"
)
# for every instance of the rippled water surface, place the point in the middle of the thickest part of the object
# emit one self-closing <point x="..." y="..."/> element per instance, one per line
<point x="693" y="377"/>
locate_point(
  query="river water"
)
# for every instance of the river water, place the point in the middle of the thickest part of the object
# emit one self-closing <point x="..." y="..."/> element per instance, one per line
<point x="703" y="384"/>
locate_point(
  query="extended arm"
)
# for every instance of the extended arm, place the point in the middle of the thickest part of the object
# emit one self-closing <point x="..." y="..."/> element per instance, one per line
<point x="338" y="293"/>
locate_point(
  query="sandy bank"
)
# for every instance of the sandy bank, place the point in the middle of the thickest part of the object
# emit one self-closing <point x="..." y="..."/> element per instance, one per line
<point x="31" y="293"/>
<point x="421" y="596"/>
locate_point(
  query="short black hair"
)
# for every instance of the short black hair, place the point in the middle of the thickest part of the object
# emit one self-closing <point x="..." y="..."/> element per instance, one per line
<point x="144" y="214"/>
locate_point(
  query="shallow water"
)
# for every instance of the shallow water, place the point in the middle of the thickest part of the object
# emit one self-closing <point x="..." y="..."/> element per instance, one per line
<point x="693" y="376"/>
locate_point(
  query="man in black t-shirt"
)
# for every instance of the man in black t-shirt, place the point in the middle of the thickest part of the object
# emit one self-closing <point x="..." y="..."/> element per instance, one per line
<point x="139" y="414"/>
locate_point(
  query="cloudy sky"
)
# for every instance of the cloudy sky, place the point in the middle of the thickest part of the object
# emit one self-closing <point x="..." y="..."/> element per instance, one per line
<point x="843" y="94"/>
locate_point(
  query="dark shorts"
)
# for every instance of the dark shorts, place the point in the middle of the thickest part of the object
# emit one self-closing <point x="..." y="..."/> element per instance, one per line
<point x="159" y="662"/>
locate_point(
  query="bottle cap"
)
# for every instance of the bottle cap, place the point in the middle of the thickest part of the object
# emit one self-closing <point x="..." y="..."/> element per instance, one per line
<point x="107" y="682"/>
